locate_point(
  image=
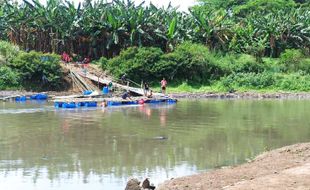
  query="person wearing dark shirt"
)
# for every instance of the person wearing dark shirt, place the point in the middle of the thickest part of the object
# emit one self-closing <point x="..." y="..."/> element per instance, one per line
<point x="146" y="88"/>
<point x="123" y="78"/>
<point x="126" y="95"/>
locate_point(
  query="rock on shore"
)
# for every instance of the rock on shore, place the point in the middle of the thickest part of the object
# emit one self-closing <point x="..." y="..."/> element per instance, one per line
<point x="135" y="184"/>
<point x="284" y="168"/>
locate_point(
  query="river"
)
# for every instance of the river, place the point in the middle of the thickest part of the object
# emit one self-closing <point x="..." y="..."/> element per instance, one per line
<point x="46" y="148"/>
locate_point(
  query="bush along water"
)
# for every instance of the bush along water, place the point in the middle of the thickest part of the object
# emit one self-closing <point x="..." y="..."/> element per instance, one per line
<point x="189" y="62"/>
<point x="38" y="70"/>
<point x="29" y="70"/>
<point x="8" y="78"/>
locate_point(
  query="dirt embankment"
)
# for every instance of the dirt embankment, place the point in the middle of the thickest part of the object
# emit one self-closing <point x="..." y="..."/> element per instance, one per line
<point x="284" y="168"/>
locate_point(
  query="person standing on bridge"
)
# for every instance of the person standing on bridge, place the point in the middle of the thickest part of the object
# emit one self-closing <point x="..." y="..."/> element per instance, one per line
<point x="146" y="88"/>
<point x="163" y="86"/>
<point x="110" y="85"/>
<point x="124" y="78"/>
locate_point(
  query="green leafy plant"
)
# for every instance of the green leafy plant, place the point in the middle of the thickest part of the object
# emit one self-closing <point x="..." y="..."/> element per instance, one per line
<point x="291" y="60"/>
<point x="8" y="78"/>
<point x="246" y="63"/>
<point x="7" y="52"/>
<point x="38" y="70"/>
<point x="248" y="80"/>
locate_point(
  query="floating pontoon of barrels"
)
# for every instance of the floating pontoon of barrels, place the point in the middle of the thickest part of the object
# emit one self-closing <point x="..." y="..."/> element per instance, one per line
<point x="22" y="98"/>
<point x="107" y="102"/>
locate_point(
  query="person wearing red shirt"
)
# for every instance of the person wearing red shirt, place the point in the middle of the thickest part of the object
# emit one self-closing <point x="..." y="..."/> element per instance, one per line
<point x="163" y="85"/>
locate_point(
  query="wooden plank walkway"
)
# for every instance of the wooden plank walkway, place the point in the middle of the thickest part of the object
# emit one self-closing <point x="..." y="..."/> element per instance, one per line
<point x="7" y="98"/>
<point x="125" y="87"/>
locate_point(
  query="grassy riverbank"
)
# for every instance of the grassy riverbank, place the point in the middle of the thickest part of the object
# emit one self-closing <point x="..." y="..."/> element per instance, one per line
<point x="187" y="88"/>
<point x="200" y="89"/>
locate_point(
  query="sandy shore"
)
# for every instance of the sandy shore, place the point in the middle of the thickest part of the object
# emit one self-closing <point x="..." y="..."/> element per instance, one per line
<point x="284" y="168"/>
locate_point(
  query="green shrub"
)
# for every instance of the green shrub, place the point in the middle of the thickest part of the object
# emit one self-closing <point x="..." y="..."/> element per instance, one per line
<point x="272" y="65"/>
<point x="304" y="65"/>
<point x="292" y="82"/>
<point x="189" y="62"/>
<point x="102" y="62"/>
<point x="291" y="60"/>
<point x="7" y="52"/>
<point x="193" y="63"/>
<point x="119" y="65"/>
<point x="8" y="78"/>
<point x="2" y="60"/>
<point x="266" y="80"/>
<point x="244" y="63"/>
<point x="137" y="63"/>
<point x="38" y="70"/>
<point x="248" y="80"/>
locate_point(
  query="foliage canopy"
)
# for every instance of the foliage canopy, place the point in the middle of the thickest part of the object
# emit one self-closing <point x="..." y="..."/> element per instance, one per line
<point x="96" y="29"/>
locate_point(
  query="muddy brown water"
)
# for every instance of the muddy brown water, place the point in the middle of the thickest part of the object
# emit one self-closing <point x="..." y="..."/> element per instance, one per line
<point x="46" y="148"/>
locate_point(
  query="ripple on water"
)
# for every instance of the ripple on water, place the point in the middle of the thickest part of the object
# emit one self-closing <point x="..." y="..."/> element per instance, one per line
<point x="25" y="110"/>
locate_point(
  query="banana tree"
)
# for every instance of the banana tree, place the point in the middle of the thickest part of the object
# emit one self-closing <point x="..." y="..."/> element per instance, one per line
<point x="213" y="26"/>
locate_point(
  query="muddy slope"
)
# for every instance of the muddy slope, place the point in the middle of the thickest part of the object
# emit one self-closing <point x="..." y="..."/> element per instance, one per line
<point x="284" y="168"/>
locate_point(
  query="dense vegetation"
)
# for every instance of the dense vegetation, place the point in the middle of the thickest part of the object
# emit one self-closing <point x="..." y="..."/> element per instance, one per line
<point x="192" y="67"/>
<point x="28" y="70"/>
<point x="96" y="28"/>
<point x="222" y="44"/>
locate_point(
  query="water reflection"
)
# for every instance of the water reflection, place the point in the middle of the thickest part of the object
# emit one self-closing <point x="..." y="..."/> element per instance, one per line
<point x="101" y="147"/>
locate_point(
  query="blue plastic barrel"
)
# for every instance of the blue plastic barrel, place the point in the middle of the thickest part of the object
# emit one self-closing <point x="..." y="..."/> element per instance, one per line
<point x="87" y="92"/>
<point x="154" y="101"/>
<point x="90" y="104"/>
<point x="112" y="103"/>
<point x="21" y="98"/>
<point x="131" y="103"/>
<point x="41" y="96"/>
<point x="58" y="104"/>
<point x="105" y="90"/>
<point x="171" y="101"/>
<point x="33" y="97"/>
<point x="69" y="105"/>
<point x="81" y="104"/>
<point x="109" y="103"/>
